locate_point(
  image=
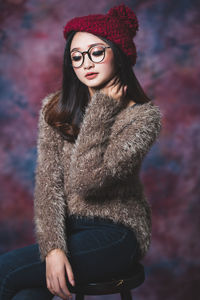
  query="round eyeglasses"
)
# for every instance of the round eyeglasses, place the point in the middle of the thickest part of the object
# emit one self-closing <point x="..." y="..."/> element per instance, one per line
<point x="95" y="53"/>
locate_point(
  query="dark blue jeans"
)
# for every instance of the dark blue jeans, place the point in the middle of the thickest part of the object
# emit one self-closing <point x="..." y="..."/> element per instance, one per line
<point x="99" y="250"/>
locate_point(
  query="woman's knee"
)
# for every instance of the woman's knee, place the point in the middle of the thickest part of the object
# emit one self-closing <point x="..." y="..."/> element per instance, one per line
<point x="16" y="258"/>
<point x="19" y="269"/>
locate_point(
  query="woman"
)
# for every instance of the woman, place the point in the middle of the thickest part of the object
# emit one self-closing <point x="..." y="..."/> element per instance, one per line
<point x="92" y="218"/>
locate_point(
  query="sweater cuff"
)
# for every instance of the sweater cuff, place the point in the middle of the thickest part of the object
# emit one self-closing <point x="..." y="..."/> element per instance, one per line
<point x="47" y="246"/>
<point x="101" y="109"/>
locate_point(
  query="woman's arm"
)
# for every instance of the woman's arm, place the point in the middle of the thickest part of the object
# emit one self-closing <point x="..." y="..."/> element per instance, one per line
<point x="49" y="198"/>
<point x="98" y="161"/>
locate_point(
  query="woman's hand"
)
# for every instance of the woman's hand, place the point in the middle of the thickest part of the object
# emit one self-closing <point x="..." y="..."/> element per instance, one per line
<point x="115" y="89"/>
<point x="56" y="264"/>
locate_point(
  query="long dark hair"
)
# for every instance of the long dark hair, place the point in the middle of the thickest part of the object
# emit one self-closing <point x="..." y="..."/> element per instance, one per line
<point x="65" y="110"/>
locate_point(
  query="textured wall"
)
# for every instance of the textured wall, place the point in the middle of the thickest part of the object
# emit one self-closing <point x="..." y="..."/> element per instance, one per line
<point x="31" y="50"/>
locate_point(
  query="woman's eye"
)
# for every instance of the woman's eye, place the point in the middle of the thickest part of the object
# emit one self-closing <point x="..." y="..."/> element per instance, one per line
<point x="76" y="58"/>
<point x="97" y="53"/>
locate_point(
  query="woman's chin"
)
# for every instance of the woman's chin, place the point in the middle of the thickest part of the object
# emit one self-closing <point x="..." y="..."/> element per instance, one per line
<point x="100" y="85"/>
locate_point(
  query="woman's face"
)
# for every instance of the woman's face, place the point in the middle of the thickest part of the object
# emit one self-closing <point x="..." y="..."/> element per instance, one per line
<point x="105" y="68"/>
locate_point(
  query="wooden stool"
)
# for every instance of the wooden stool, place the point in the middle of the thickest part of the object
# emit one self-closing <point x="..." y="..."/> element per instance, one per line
<point x="122" y="284"/>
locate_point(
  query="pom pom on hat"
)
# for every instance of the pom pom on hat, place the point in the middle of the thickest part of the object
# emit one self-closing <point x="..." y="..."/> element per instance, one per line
<point x="126" y="15"/>
<point x="119" y="25"/>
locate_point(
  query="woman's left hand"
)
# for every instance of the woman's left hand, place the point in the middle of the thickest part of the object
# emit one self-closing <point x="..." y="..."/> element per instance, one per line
<point x="115" y="89"/>
<point x="57" y="265"/>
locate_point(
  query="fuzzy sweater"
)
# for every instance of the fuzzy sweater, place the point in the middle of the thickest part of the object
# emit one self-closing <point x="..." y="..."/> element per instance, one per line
<point x="96" y="176"/>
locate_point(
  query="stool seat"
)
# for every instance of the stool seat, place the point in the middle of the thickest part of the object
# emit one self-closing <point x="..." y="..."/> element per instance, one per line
<point x="120" y="284"/>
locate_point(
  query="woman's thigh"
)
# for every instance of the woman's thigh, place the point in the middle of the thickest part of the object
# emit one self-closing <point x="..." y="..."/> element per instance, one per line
<point x="100" y="253"/>
<point x="22" y="269"/>
<point x="96" y="252"/>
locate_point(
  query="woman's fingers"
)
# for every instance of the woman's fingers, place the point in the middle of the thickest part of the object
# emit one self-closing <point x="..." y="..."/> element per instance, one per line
<point x="54" y="285"/>
<point x="49" y="286"/>
<point x="56" y="263"/>
<point x="63" y="286"/>
<point x="118" y="91"/>
<point x="117" y="83"/>
<point x="115" y="88"/>
<point x="69" y="272"/>
<point x="114" y="80"/>
<point x="58" y="288"/>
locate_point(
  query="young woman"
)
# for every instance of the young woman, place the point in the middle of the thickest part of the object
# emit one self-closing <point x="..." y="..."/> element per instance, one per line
<point x="92" y="218"/>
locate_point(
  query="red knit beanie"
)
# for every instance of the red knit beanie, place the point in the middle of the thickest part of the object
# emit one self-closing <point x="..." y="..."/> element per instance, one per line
<point x="119" y="25"/>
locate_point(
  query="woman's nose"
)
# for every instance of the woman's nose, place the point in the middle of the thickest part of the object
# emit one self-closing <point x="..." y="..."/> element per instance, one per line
<point x="87" y="62"/>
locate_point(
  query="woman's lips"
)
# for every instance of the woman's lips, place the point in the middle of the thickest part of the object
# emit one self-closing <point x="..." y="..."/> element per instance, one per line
<point x="91" y="76"/>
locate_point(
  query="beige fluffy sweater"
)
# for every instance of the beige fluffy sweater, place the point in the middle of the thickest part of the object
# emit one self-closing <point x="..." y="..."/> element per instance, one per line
<point x="96" y="176"/>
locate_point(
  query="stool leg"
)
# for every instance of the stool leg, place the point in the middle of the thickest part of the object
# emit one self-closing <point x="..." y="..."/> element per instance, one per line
<point x="126" y="295"/>
<point x="79" y="297"/>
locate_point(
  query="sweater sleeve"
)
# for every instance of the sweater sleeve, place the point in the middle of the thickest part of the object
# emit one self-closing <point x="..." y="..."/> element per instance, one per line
<point x="100" y="158"/>
<point x="49" y="198"/>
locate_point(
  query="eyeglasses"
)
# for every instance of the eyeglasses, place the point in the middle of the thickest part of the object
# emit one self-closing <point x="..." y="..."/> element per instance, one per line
<point x="95" y="53"/>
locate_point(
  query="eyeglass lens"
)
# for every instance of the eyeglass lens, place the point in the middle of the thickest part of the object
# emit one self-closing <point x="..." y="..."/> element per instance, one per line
<point x="96" y="53"/>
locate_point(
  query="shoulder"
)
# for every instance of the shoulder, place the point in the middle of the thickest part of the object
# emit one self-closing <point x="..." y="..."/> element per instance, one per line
<point x="139" y="111"/>
<point x="43" y="104"/>
<point x="146" y="107"/>
<point x="147" y="110"/>
<point x="141" y="116"/>
<point x="48" y="98"/>
<point x="42" y="124"/>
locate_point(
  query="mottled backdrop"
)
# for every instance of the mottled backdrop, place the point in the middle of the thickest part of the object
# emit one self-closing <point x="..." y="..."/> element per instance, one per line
<point x="31" y="51"/>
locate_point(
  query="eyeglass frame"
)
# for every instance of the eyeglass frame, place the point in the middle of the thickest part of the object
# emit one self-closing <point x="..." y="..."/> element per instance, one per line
<point x="84" y="52"/>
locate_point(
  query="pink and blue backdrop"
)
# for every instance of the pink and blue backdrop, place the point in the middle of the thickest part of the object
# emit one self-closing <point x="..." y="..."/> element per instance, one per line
<point x="168" y="68"/>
